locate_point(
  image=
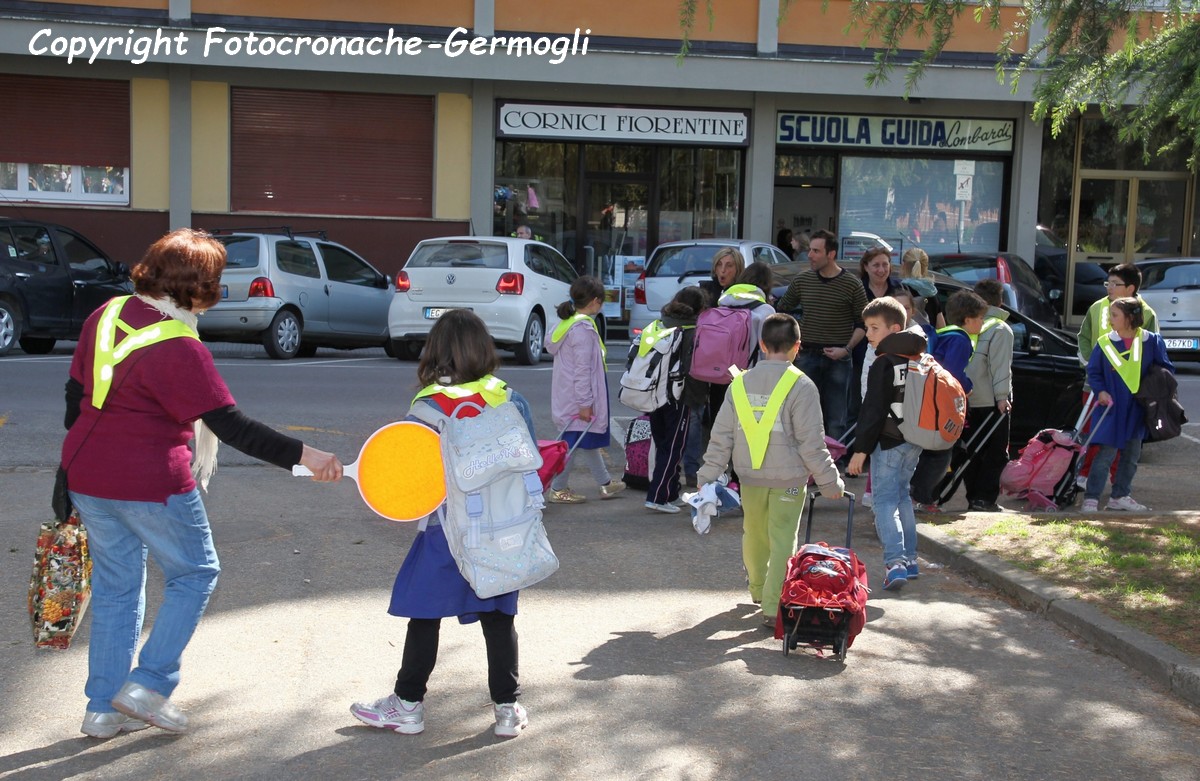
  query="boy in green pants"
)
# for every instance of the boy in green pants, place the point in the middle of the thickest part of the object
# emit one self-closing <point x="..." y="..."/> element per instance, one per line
<point x="771" y="427"/>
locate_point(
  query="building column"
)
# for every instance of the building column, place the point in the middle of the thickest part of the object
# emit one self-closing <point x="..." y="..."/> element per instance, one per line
<point x="179" y="78"/>
<point x="1027" y="177"/>
<point x="483" y="153"/>
<point x="485" y="18"/>
<point x="768" y="27"/>
<point x="760" y="172"/>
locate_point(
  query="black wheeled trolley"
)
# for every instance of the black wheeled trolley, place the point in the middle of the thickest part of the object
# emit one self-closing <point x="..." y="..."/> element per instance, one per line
<point x="823" y="605"/>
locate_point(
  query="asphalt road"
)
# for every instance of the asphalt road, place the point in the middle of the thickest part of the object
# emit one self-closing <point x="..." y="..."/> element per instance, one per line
<point x="641" y="658"/>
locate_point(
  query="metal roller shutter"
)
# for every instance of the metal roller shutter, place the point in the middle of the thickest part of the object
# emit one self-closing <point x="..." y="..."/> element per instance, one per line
<point x="332" y="153"/>
<point x="55" y="120"/>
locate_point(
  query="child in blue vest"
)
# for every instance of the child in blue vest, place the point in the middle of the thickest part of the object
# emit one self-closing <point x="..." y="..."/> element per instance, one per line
<point x="953" y="348"/>
<point x="1119" y="361"/>
<point x="455" y="368"/>
<point x="771" y="427"/>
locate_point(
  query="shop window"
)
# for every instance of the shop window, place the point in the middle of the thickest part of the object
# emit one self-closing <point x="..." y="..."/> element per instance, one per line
<point x="331" y="152"/>
<point x="699" y="194"/>
<point x="50" y="160"/>
<point x="60" y="182"/>
<point x="1104" y="150"/>
<point x="1058" y="178"/>
<point x="537" y="184"/>
<point x="915" y="202"/>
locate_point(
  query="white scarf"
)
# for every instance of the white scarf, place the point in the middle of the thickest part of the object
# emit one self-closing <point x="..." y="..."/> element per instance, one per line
<point x="204" y="459"/>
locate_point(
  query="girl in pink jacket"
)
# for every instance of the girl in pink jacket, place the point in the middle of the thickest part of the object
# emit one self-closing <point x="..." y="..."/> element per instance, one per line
<point x="579" y="389"/>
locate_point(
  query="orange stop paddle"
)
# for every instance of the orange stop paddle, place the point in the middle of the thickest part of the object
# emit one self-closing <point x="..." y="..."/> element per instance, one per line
<point x="399" y="471"/>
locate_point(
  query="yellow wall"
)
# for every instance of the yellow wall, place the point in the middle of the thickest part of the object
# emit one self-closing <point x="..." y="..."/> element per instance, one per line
<point x="806" y="25"/>
<point x="444" y="13"/>
<point x="150" y="132"/>
<point x="210" y="146"/>
<point x="733" y="20"/>
<point x="452" y="157"/>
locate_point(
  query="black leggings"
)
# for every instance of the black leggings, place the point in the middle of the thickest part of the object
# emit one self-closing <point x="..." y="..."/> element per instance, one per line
<point x="421" y="649"/>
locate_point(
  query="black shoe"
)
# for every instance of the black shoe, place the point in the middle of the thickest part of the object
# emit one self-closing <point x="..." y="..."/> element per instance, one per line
<point x="980" y="506"/>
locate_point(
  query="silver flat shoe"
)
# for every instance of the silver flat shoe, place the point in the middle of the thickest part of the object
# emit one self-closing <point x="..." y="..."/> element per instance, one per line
<point x="108" y="725"/>
<point x="139" y="702"/>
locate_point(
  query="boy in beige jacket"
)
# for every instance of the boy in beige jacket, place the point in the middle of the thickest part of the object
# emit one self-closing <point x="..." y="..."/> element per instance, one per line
<point x="770" y="425"/>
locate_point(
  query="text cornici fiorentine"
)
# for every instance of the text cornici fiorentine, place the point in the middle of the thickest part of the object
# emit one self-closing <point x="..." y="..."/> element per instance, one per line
<point x="139" y="47"/>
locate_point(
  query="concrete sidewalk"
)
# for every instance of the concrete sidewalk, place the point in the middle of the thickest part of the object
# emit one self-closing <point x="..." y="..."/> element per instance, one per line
<point x="641" y="658"/>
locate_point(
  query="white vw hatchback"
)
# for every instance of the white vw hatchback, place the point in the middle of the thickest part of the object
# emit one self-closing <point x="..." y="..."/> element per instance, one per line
<point x="513" y="284"/>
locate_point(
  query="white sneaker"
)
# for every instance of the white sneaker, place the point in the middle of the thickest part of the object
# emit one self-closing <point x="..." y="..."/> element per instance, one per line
<point x="867" y="500"/>
<point x="511" y="718"/>
<point x="1126" y="504"/>
<point x="391" y="712"/>
<point x="1090" y="505"/>
<point x="663" y="508"/>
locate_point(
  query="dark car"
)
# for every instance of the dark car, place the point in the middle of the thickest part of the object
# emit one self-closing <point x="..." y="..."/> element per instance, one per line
<point x="1022" y="288"/>
<point x="1050" y="266"/>
<point x="51" y="279"/>
<point x="1047" y="376"/>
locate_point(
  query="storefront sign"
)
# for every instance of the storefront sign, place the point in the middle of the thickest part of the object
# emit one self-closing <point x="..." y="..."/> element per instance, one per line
<point x="611" y="123"/>
<point x="884" y="132"/>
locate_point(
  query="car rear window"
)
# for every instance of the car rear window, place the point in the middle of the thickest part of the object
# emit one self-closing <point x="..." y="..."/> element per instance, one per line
<point x="240" y="251"/>
<point x="677" y="261"/>
<point x="459" y="254"/>
<point x="1169" y="276"/>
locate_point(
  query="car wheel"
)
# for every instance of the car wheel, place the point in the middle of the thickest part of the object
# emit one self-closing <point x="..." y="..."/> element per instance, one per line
<point x="282" y="338"/>
<point x="307" y="350"/>
<point x="529" y="351"/>
<point x="405" y="349"/>
<point x="37" y="345"/>
<point x="10" y="326"/>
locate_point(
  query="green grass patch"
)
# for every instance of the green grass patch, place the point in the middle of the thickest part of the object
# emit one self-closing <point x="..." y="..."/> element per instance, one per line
<point x="1145" y="572"/>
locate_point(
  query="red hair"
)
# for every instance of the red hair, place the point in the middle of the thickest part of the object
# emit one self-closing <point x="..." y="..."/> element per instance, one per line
<point x="185" y="265"/>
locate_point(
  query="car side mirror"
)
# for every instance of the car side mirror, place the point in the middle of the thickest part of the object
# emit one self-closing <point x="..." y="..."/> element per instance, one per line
<point x="1035" y="344"/>
<point x="121" y="269"/>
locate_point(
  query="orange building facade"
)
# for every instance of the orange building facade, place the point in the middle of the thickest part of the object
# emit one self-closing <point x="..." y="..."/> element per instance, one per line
<point x="398" y="121"/>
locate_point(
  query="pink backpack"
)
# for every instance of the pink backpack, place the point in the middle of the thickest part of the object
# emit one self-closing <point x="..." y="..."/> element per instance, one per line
<point x="1041" y="464"/>
<point x="722" y="340"/>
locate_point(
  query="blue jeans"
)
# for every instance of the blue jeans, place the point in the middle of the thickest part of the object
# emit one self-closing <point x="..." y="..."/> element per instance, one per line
<point x="832" y="379"/>
<point x="120" y="532"/>
<point x="1122" y="482"/>
<point x="891" y="471"/>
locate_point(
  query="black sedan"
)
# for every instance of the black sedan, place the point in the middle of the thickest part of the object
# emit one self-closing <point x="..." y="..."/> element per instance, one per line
<point x="1047" y="376"/>
<point x="1022" y="288"/>
<point x="51" y="279"/>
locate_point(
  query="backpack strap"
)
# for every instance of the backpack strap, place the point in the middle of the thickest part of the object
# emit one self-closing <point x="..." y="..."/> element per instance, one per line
<point x="758" y="430"/>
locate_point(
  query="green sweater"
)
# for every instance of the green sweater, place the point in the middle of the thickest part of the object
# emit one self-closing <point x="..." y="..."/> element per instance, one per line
<point x="831" y="308"/>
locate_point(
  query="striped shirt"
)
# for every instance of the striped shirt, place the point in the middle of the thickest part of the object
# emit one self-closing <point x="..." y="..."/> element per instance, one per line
<point x="830" y="307"/>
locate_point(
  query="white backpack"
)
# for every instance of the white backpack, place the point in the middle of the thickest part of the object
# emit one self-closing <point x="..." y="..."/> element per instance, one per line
<point x="492" y="516"/>
<point x="652" y="375"/>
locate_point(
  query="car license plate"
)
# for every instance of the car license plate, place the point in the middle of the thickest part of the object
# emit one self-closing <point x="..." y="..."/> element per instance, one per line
<point x="1182" y="344"/>
<point x="434" y="312"/>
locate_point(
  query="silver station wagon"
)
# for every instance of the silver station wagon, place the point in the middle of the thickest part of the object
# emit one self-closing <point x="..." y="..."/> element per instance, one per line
<point x="295" y="293"/>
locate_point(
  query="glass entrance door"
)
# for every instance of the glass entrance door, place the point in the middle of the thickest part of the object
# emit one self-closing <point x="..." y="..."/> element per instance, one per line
<point x="1122" y="219"/>
<point x="616" y="240"/>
